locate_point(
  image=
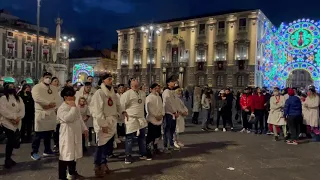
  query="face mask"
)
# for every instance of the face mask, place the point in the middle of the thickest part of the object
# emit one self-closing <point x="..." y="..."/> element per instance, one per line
<point x="309" y="93"/>
<point x="47" y="80"/>
<point x="11" y="91"/>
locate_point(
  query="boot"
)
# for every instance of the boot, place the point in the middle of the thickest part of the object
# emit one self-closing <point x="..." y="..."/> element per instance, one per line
<point x="105" y="169"/>
<point x="98" y="171"/>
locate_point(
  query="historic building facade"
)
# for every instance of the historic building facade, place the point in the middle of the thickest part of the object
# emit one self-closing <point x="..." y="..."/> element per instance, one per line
<point x="18" y="50"/>
<point x="219" y="50"/>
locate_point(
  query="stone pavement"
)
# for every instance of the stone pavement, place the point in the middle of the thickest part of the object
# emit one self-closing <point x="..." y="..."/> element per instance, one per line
<point x="207" y="156"/>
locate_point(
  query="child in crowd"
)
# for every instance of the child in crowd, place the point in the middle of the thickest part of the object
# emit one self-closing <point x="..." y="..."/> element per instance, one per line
<point x="70" y="138"/>
<point x="85" y="114"/>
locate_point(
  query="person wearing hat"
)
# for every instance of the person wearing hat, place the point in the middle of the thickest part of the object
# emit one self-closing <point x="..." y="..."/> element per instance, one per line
<point x="47" y="101"/>
<point x="12" y="111"/>
<point x="311" y="104"/>
<point x="246" y="103"/>
<point x="155" y="113"/>
<point x="133" y="102"/>
<point x="105" y="109"/>
<point x="171" y="108"/>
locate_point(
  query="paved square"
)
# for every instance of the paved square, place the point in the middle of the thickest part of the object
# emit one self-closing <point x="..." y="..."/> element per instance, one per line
<point x="207" y="156"/>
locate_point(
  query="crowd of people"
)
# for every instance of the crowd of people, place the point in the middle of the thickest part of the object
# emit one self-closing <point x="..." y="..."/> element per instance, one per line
<point x="77" y="117"/>
<point x="292" y="112"/>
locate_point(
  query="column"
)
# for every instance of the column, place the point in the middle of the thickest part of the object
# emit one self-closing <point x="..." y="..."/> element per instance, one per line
<point x="131" y="47"/>
<point x="231" y="25"/>
<point x="192" y="54"/>
<point x="19" y="47"/>
<point x="158" y="69"/>
<point x="253" y="32"/>
<point x="119" y="57"/>
<point x="145" y="45"/>
<point x="211" y="38"/>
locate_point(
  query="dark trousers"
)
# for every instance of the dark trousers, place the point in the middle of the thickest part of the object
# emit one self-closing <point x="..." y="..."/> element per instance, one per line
<point x="26" y="127"/>
<point x="259" y="119"/>
<point x="90" y="129"/>
<point x="227" y="118"/>
<point x="10" y="142"/>
<point x="245" y="122"/>
<point x="64" y="165"/>
<point x="102" y="153"/>
<point x="121" y="130"/>
<point x="56" y="135"/>
<point x="46" y="136"/>
<point x="266" y="116"/>
<point x="141" y="142"/>
<point x="154" y="132"/>
<point x="294" y="123"/>
<point x="219" y="116"/>
<point x="195" y="117"/>
<point x="169" y="126"/>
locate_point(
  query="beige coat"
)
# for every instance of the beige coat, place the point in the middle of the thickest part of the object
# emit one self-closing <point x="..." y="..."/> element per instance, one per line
<point x="311" y="114"/>
<point x="11" y="109"/>
<point x="154" y="108"/>
<point x="88" y="97"/>
<point x="105" y="109"/>
<point x="71" y="129"/>
<point x="276" y="111"/>
<point x="196" y="100"/>
<point x="181" y="119"/>
<point x="45" y="120"/>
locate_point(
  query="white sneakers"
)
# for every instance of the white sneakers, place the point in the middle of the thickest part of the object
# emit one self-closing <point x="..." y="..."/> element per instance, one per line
<point x="216" y="129"/>
<point x="224" y="130"/>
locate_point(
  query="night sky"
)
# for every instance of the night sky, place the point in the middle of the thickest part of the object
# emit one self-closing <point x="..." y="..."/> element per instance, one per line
<point x="92" y="21"/>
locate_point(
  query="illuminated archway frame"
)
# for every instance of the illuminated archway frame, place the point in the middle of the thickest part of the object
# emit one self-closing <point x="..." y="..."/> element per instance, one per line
<point x="291" y="47"/>
<point x="81" y="68"/>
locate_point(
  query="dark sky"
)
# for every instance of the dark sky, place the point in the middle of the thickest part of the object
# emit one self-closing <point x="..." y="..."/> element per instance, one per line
<point x="97" y="20"/>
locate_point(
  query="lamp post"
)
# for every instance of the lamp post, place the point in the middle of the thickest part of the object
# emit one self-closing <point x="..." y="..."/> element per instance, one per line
<point x="37" y="43"/>
<point x="150" y="30"/>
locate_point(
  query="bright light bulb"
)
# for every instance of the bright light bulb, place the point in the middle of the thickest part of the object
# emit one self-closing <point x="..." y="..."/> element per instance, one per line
<point x="147" y="30"/>
<point x="60" y="39"/>
<point x="65" y="37"/>
<point x="69" y="40"/>
<point x="151" y="27"/>
<point x="72" y="39"/>
<point x="160" y="29"/>
<point x="157" y="31"/>
<point x="142" y="28"/>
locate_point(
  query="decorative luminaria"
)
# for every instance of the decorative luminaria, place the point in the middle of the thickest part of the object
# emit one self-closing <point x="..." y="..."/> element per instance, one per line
<point x="291" y="47"/>
<point x="81" y="68"/>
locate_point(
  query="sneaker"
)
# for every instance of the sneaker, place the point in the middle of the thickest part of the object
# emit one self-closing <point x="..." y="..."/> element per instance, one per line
<point x="9" y="163"/>
<point x="142" y="157"/>
<point x="276" y="138"/>
<point x="149" y="157"/>
<point x="204" y="129"/>
<point x="216" y="129"/>
<point x="98" y="172"/>
<point x="176" y="144"/>
<point x="269" y="133"/>
<point x="292" y="142"/>
<point x="35" y="156"/>
<point x="115" y="145"/>
<point x="232" y="129"/>
<point x="243" y="130"/>
<point x="180" y="144"/>
<point x="128" y="160"/>
<point x="248" y="131"/>
<point x="224" y="130"/>
<point x="112" y="156"/>
<point x="55" y="149"/>
<point x="48" y="154"/>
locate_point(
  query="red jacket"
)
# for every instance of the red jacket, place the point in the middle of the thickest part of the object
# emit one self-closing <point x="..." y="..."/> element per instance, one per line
<point x="246" y="101"/>
<point x="258" y="102"/>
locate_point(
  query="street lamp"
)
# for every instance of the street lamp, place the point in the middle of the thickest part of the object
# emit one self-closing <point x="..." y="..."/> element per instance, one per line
<point x="150" y="30"/>
<point x="37" y="43"/>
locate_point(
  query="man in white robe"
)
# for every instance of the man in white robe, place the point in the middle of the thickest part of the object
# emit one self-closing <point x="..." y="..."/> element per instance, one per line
<point x="105" y="109"/>
<point x="171" y="107"/>
<point x="133" y="101"/>
<point x="91" y="80"/>
<point x="155" y="113"/>
<point x="46" y="99"/>
<point x="87" y="93"/>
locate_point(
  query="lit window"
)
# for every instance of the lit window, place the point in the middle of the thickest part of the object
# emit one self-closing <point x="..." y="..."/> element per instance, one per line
<point x="152" y="58"/>
<point x="201" y="56"/>
<point x="124" y="59"/>
<point x="137" y="58"/>
<point x="220" y="53"/>
<point x="242" y="51"/>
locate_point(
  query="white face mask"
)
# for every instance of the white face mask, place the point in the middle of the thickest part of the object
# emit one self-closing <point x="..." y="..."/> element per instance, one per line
<point x="47" y="80"/>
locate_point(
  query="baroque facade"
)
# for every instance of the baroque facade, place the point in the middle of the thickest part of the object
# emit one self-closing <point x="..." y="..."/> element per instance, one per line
<point x="218" y="50"/>
<point x="18" y="50"/>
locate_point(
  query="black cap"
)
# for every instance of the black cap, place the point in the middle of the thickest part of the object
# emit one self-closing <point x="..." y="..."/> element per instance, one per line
<point x="87" y="84"/>
<point x="171" y="79"/>
<point x="312" y="88"/>
<point x="247" y="88"/>
<point x="106" y="76"/>
<point x="154" y="85"/>
<point x="46" y="74"/>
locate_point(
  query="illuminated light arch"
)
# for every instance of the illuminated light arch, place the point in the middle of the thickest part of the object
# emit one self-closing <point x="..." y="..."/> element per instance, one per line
<point x="291" y="47"/>
<point x="81" y="68"/>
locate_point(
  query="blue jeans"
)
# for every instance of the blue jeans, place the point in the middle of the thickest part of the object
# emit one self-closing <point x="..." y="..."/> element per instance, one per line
<point x="46" y="136"/>
<point x="102" y="152"/>
<point x="169" y="127"/>
<point x="141" y="142"/>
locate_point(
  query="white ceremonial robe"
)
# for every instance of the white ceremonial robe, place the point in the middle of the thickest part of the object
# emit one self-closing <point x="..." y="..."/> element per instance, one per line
<point x="276" y="115"/>
<point x="70" y="133"/>
<point x="45" y="120"/>
<point x="170" y="102"/>
<point x="181" y="119"/>
<point x="88" y="98"/>
<point x="11" y="109"/>
<point x="84" y="111"/>
<point x="121" y="117"/>
<point x="135" y="110"/>
<point x="105" y="109"/>
<point x="312" y="111"/>
<point x="154" y="108"/>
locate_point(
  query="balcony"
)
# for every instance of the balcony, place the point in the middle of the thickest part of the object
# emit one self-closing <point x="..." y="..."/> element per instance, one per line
<point x="220" y="66"/>
<point x="242" y="65"/>
<point x="10" y="54"/>
<point x="242" y="34"/>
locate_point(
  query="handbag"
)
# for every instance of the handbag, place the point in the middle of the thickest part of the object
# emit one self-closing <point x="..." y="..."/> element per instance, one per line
<point x="252" y="119"/>
<point x="17" y="139"/>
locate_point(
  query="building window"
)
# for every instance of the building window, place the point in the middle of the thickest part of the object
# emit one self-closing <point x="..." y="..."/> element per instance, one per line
<point x="202" y="29"/>
<point x="219" y="81"/>
<point x="175" y="31"/>
<point x="240" y="81"/>
<point x="124" y="59"/>
<point x="201" y="55"/>
<point x="137" y="58"/>
<point x="152" y="58"/>
<point x="10" y="34"/>
<point x="28" y="68"/>
<point x="125" y="38"/>
<point x="45" y="41"/>
<point x="201" y="81"/>
<point x="138" y="36"/>
<point x="220" y="53"/>
<point x="175" y="54"/>
<point x="221" y="26"/>
<point x="242" y="24"/>
<point x="242" y="51"/>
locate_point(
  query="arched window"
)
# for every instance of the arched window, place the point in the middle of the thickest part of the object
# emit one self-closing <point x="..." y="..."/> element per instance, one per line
<point x="240" y="80"/>
<point x="219" y="80"/>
